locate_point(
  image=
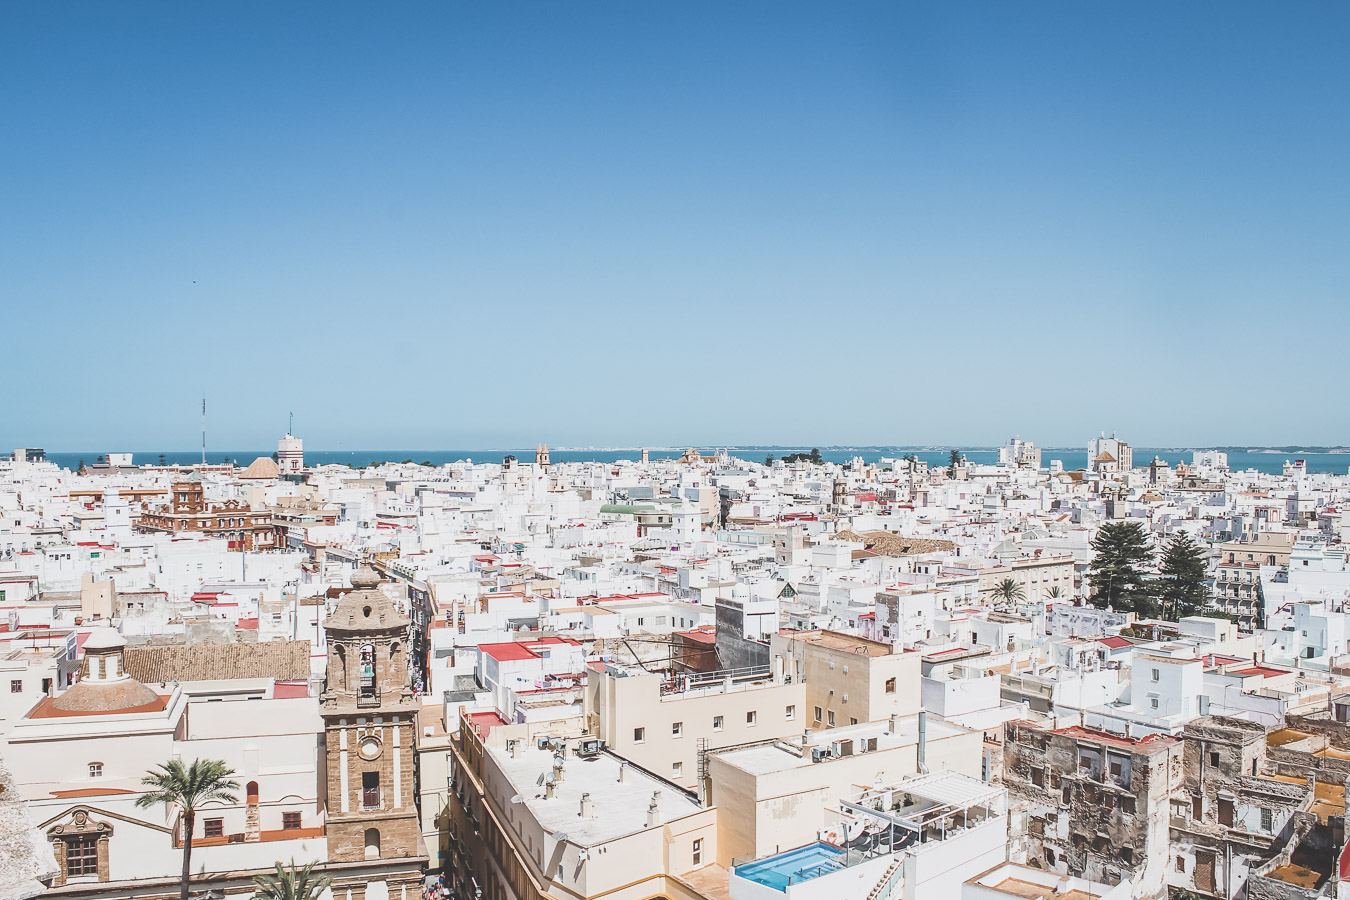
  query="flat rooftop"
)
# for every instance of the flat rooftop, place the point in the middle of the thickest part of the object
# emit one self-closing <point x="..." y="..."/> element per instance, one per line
<point x="775" y="757"/>
<point x="845" y="643"/>
<point x="619" y="807"/>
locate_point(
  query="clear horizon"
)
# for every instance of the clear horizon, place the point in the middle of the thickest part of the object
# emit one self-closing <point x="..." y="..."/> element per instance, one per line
<point x="491" y="225"/>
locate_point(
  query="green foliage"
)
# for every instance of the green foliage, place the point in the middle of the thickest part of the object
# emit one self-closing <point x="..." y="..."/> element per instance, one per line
<point x="428" y="463"/>
<point x="1184" y="591"/>
<point x="188" y="787"/>
<point x="291" y="883"/>
<point x="1009" y="591"/>
<point x="768" y="460"/>
<point x="1121" y="565"/>
<point x="812" y="457"/>
<point x="953" y="460"/>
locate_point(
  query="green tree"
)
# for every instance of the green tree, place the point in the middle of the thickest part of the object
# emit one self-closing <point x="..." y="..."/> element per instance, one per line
<point x="768" y="460"/>
<point x="1122" y="557"/>
<point x="1009" y="591"/>
<point x="1183" y="588"/>
<point x="428" y="463"/>
<point x="816" y="458"/>
<point x="291" y="883"/>
<point x="188" y="787"/>
<point x="910" y="460"/>
<point x="953" y="460"/>
<point x="1055" y="593"/>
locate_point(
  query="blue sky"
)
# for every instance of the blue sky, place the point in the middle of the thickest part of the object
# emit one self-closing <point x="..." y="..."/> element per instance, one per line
<point x="463" y="225"/>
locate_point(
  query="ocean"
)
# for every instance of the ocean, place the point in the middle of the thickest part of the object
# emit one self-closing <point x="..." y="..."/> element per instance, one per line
<point x="1262" y="460"/>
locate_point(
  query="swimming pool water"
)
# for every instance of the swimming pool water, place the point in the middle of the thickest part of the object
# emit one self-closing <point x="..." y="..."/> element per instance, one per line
<point x="793" y="866"/>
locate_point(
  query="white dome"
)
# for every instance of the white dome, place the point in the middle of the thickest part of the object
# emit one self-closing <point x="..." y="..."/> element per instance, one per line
<point x="104" y="638"/>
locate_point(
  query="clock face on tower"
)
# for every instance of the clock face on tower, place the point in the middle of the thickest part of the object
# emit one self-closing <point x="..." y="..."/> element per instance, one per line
<point x="369" y="748"/>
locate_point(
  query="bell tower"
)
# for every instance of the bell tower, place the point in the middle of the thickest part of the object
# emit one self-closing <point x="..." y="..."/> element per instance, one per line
<point x="370" y="720"/>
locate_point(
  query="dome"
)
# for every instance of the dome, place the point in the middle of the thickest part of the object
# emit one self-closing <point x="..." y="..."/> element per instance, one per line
<point x="104" y="638"/>
<point x="366" y="607"/>
<point x="105" y="696"/>
<point x="261" y="468"/>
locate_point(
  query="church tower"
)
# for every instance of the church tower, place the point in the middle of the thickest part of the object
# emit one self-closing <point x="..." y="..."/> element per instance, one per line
<point x="541" y="455"/>
<point x="370" y="720"/>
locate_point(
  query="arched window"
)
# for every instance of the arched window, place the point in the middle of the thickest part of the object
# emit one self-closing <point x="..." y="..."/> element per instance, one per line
<point x="96" y="770"/>
<point x="341" y="667"/>
<point x="252" y="790"/>
<point x="368" y="688"/>
<point x="372" y="843"/>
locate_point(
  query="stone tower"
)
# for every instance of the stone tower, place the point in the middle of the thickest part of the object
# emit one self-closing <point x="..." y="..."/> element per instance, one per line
<point x="369" y="717"/>
<point x="541" y="455"/>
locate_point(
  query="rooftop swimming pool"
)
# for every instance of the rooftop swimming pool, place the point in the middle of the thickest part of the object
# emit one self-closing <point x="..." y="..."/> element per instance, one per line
<point x="794" y="866"/>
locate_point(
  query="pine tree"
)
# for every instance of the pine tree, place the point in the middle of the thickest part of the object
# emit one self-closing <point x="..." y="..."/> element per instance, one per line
<point x="1185" y="569"/>
<point x="816" y="458"/>
<point x="1122" y="557"/>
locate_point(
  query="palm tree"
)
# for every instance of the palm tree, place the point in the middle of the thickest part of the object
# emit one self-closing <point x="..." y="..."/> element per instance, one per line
<point x="1008" y="591"/>
<point x="188" y="787"/>
<point x="291" y="884"/>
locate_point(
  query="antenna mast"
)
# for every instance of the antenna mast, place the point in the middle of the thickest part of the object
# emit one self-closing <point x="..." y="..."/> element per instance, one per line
<point x="290" y="429"/>
<point x="203" y="429"/>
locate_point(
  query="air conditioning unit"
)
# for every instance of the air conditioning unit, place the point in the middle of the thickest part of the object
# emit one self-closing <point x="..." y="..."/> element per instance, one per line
<point x="820" y="754"/>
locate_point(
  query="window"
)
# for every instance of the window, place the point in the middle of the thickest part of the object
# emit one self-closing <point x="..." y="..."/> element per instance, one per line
<point x="852" y="721"/>
<point x="1127" y="805"/>
<point x="660" y="620"/>
<point x="1153" y="702"/>
<point x="370" y="789"/>
<point x="831" y="714"/>
<point x="1155" y="674"/>
<point x="16" y="686"/>
<point x="1267" y="819"/>
<point x="290" y="820"/>
<point x="750" y="717"/>
<point x="818" y="714"/>
<point x="1038" y="777"/>
<point x="81" y="855"/>
<point x="890" y="685"/>
<point x="1127" y="854"/>
<point x="698" y="851"/>
<point x="96" y="770"/>
<point x="790" y="713"/>
<point x="639" y="735"/>
<point x="676" y="729"/>
<point x="676" y="769"/>
<point x="717" y="723"/>
<point x="640" y="621"/>
<point x="1214" y="759"/>
<point x="214" y="827"/>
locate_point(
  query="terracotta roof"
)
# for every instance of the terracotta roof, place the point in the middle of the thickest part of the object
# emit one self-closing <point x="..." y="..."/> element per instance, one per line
<point x="282" y="660"/>
<point x="888" y="544"/>
<point x="103" y="702"/>
<point x="261" y="468"/>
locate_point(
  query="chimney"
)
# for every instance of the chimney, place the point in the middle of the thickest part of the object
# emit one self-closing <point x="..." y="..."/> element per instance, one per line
<point x="557" y="768"/>
<point x="895" y="723"/>
<point x="623" y="771"/>
<point x="654" y="810"/>
<point x="587" y="807"/>
<point x="549" y="789"/>
<point x="515" y="748"/>
<point x="1063" y="885"/>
